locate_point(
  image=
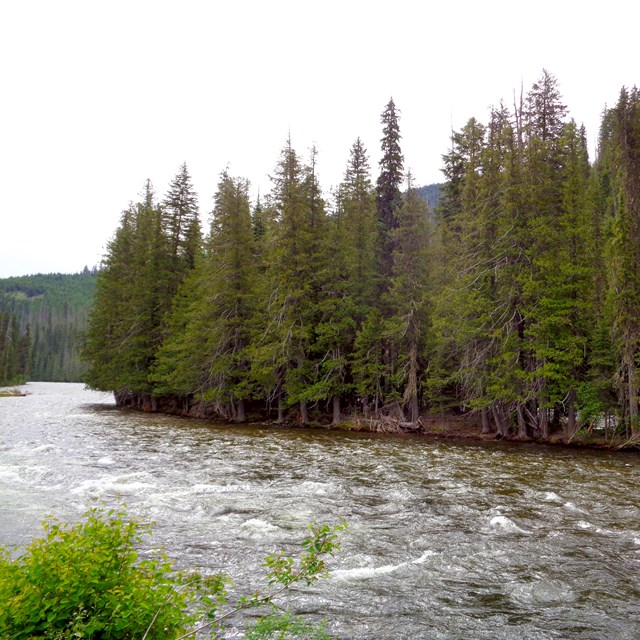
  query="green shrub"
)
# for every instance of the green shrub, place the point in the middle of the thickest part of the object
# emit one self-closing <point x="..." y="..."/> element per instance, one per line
<point x="86" y="580"/>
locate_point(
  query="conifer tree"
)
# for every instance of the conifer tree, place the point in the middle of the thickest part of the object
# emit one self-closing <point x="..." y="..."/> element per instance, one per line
<point x="408" y="300"/>
<point x="181" y="225"/>
<point x="388" y="193"/>
<point x="357" y="222"/>
<point x="15" y="349"/>
<point x="348" y="284"/>
<point x="205" y="354"/>
<point x="131" y="300"/>
<point x="622" y="155"/>
<point x="281" y="353"/>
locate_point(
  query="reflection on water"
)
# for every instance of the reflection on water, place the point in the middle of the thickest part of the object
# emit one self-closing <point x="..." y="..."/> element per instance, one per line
<point x="446" y="540"/>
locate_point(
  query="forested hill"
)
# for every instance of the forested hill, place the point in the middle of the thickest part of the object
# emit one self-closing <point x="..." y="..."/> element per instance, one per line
<point x="431" y="193"/>
<point x="52" y="310"/>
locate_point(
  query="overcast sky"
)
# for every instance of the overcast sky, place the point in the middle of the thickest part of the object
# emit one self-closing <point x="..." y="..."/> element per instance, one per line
<point x="96" y="97"/>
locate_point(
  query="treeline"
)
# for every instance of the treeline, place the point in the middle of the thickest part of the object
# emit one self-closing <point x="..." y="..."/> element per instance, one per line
<point x="52" y="310"/>
<point x="15" y="348"/>
<point x="518" y="299"/>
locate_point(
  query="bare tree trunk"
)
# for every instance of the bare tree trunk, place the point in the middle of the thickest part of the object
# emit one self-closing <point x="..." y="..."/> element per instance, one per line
<point x="544" y="423"/>
<point x="522" y="423"/>
<point x="571" y="413"/>
<point x="304" y="413"/>
<point x="486" y="423"/>
<point x="502" y="427"/>
<point x="280" y="408"/>
<point x="337" y="418"/>
<point x="241" y="415"/>
<point x="411" y="392"/>
<point x="146" y="402"/>
<point x="534" y="415"/>
<point x="365" y="408"/>
<point x="632" y="381"/>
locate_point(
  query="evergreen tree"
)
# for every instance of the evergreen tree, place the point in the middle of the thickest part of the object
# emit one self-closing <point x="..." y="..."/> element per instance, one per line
<point x="14" y="351"/>
<point x="388" y="194"/>
<point x="205" y="355"/>
<point x="621" y="151"/>
<point x="408" y="298"/>
<point x="358" y="228"/>
<point x="181" y="224"/>
<point x="133" y="296"/>
<point x="282" y="363"/>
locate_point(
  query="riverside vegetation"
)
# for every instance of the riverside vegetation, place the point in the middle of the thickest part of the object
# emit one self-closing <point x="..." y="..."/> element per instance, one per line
<point x="86" y="580"/>
<point x="516" y="301"/>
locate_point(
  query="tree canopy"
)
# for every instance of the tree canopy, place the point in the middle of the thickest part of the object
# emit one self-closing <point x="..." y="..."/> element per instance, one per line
<point x="514" y="299"/>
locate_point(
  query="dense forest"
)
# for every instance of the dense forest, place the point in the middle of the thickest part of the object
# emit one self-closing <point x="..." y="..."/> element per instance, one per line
<point x="516" y="300"/>
<point x="15" y="350"/>
<point x="51" y="311"/>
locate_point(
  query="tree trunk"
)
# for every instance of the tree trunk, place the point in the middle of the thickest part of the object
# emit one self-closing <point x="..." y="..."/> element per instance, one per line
<point x="337" y="418"/>
<point x="147" y="405"/>
<point x="571" y="413"/>
<point x="304" y="413"/>
<point x="534" y="415"/>
<point x="522" y="423"/>
<point x="502" y="427"/>
<point x="411" y="392"/>
<point x="633" y="395"/>
<point x="280" y="409"/>
<point x="544" y="423"/>
<point x="241" y="415"/>
<point x="486" y="423"/>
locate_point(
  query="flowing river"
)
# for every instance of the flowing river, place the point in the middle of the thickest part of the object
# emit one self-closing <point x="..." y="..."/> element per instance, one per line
<point x="445" y="539"/>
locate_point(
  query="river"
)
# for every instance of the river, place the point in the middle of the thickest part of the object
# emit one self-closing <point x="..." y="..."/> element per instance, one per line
<point x="445" y="540"/>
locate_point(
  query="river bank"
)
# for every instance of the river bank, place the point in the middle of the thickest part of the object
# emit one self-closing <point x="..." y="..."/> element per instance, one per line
<point x="433" y="426"/>
<point x="468" y="428"/>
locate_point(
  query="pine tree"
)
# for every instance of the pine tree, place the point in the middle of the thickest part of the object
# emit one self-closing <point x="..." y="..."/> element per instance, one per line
<point x="622" y="155"/>
<point x="14" y="351"/>
<point x="205" y="354"/>
<point x="281" y="354"/>
<point x="358" y="228"/>
<point x="408" y="298"/>
<point x="388" y="193"/>
<point x="181" y="225"/>
<point x="133" y="295"/>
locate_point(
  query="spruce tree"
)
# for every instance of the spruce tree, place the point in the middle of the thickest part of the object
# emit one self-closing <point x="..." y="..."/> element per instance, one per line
<point x="205" y="354"/>
<point x="621" y="152"/>
<point x="388" y="193"/>
<point x="282" y="363"/>
<point x="357" y="222"/>
<point x="408" y="300"/>
<point x="133" y="294"/>
<point x="181" y="225"/>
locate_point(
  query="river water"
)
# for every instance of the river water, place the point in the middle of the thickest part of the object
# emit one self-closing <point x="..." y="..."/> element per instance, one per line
<point x="445" y="539"/>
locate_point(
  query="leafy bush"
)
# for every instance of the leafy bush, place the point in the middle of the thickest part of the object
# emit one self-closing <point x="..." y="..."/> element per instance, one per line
<point x="86" y="580"/>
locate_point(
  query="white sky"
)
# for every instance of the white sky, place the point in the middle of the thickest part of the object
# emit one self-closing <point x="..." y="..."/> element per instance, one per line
<point x="95" y="97"/>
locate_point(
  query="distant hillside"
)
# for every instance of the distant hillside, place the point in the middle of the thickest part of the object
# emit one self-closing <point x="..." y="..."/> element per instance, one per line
<point x="431" y="193"/>
<point x="53" y="308"/>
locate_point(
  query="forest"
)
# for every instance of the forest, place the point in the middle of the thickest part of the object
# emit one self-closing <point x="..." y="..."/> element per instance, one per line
<point x="516" y="300"/>
<point x="49" y="315"/>
<point x="15" y="350"/>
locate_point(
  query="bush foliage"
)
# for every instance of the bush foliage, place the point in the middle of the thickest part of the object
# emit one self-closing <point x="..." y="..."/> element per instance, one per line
<point x="87" y="580"/>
